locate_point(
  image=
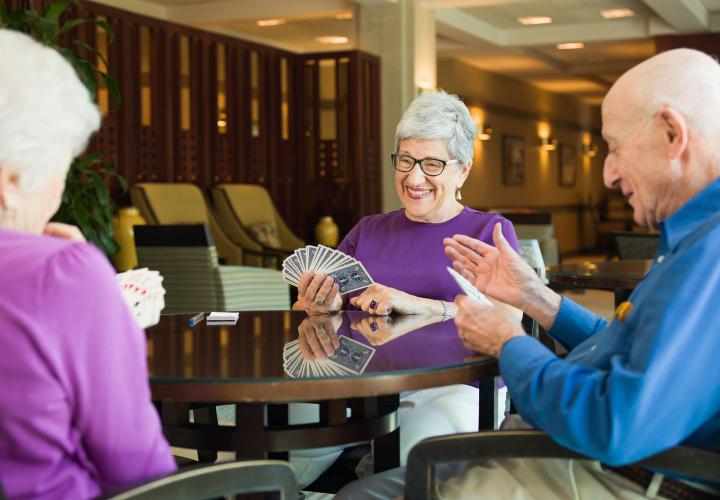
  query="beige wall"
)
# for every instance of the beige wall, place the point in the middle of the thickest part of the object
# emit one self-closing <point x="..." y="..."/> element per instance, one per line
<point x="514" y="108"/>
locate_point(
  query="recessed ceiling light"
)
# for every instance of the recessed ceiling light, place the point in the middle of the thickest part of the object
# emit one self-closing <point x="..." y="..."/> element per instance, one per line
<point x="616" y="13"/>
<point x="332" y="39"/>
<point x="270" y="22"/>
<point x="570" y="45"/>
<point x="530" y="20"/>
<point x="344" y="15"/>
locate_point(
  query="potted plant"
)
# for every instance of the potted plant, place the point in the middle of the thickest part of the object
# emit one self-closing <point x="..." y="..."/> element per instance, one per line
<point x="86" y="201"/>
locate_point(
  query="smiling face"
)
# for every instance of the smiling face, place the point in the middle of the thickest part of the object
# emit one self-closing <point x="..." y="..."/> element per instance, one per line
<point x="427" y="198"/>
<point x="635" y="163"/>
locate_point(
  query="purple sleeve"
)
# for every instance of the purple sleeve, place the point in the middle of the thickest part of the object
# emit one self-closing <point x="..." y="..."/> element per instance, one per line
<point x="509" y="232"/>
<point x="104" y="370"/>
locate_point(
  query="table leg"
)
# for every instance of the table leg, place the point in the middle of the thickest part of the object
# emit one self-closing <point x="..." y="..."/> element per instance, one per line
<point x="277" y="416"/>
<point x="386" y="449"/>
<point x="250" y="441"/>
<point x="206" y="415"/>
<point x="487" y="417"/>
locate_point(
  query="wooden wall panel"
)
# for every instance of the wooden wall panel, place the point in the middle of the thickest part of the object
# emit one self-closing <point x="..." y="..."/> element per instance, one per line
<point x="307" y="177"/>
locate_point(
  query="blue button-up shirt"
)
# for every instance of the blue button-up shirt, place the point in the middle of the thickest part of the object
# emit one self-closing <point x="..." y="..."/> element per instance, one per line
<point x="630" y="389"/>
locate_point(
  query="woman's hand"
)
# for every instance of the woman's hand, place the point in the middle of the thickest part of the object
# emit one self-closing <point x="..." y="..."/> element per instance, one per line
<point x="383" y="300"/>
<point x="502" y="274"/>
<point x="317" y="338"/>
<point x="381" y="329"/>
<point x="486" y="329"/>
<point x="317" y="294"/>
<point x="60" y="230"/>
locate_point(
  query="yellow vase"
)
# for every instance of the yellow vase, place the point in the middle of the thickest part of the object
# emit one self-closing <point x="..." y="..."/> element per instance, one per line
<point x="123" y="224"/>
<point x="326" y="232"/>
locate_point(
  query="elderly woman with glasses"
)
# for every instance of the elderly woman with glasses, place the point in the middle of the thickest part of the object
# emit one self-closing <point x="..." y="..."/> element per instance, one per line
<point x="76" y="417"/>
<point x="404" y="253"/>
<point x="403" y="250"/>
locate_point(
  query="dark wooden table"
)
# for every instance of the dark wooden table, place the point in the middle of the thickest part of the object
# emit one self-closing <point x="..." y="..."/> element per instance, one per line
<point x="200" y="367"/>
<point x="620" y="277"/>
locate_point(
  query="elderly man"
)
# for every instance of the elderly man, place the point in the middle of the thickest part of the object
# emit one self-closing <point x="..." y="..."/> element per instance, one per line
<point x="649" y="379"/>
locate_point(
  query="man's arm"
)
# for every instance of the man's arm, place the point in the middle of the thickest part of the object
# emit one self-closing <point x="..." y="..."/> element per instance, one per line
<point x="652" y="391"/>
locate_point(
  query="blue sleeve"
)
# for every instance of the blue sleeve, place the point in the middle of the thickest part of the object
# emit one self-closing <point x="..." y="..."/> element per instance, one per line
<point x="639" y="386"/>
<point x="574" y="324"/>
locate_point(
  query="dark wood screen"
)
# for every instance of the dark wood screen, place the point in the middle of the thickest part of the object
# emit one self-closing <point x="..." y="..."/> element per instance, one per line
<point x="205" y="108"/>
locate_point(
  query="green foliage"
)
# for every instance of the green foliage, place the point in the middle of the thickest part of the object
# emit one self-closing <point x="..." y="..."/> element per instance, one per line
<point x="86" y="200"/>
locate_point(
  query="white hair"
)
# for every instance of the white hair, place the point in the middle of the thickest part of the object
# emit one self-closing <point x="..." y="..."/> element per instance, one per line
<point x="439" y="116"/>
<point x="46" y="114"/>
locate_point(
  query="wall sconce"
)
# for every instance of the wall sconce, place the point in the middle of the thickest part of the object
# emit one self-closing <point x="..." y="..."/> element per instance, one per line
<point x="548" y="143"/>
<point x="589" y="150"/>
<point x="485" y="133"/>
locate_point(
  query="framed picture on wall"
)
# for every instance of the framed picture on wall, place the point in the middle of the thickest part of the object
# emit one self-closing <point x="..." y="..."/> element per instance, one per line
<point x="513" y="158"/>
<point x="567" y="165"/>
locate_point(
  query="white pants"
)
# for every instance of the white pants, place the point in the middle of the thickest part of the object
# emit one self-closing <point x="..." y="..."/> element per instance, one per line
<point x="516" y="479"/>
<point x="422" y="414"/>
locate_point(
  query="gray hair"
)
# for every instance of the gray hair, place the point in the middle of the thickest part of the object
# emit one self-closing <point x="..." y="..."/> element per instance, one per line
<point x="439" y="116"/>
<point x="46" y="114"/>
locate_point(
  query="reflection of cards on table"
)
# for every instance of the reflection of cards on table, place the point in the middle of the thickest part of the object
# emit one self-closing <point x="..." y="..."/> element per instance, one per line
<point x="468" y="288"/>
<point x="347" y="272"/>
<point x="351" y="358"/>
<point x="143" y="293"/>
<point x="222" y="318"/>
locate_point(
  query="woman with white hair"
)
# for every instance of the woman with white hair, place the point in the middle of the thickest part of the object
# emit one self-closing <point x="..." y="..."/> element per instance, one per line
<point x="403" y="250"/>
<point x="76" y="417"/>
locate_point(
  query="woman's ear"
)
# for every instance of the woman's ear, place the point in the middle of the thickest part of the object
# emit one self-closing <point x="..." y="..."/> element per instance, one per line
<point x="8" y="189"/>
<point x="464" y="172"/>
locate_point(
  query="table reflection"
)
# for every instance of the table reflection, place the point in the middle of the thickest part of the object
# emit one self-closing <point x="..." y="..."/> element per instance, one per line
<point x="257" y="346"/>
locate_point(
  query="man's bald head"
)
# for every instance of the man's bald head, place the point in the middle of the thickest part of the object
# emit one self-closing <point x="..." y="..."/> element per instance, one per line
<point x="684" y="79"/>
<point x="661" y="121"/>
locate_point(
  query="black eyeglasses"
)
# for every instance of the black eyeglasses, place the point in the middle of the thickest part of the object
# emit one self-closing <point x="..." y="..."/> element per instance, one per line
<point x="429" y="166"/>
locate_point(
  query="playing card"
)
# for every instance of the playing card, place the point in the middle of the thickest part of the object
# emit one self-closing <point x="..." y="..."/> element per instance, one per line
<point x="309" y="255"/>
<point x="352" y="355"/>
<point x="351" y="278"/>
<point x="143" y="292"/>
<point x="468" y="288"/>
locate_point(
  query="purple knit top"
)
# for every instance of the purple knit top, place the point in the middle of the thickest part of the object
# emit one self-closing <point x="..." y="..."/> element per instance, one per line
<point x="409" y="256"/>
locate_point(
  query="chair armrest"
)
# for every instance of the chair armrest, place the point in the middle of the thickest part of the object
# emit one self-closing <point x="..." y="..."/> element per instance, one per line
<point x="219" y="480"/>
<point x="474" y="446"/>
<point x="694" y="462"/>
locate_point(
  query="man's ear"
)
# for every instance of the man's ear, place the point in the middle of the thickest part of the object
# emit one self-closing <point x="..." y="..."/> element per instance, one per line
<point x="8" y="188"/>
<point x="674" y="130"/>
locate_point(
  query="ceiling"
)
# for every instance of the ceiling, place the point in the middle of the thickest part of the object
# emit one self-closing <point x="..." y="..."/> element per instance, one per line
<point x="483" y="33"/>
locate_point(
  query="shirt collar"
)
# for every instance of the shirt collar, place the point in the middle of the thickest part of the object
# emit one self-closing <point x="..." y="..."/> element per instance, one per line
<point x="690" y="216"/>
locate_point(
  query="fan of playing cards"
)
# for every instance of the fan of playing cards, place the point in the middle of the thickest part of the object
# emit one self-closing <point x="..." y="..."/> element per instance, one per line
<point x="348" y="273"/>
<point x="143" y="292"/>
<point x="351" y="358"/>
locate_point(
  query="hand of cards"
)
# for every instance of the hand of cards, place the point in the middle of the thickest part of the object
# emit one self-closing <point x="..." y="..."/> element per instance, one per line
<point x="348" y="273"/>
<point x="468" y="288"/>
<point x="350" y="358"/>
<point x="144" y="294"/>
